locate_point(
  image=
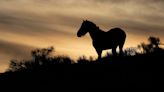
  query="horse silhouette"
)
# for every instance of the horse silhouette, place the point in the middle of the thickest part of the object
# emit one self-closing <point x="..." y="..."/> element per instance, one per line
<point x="103" y="40"/>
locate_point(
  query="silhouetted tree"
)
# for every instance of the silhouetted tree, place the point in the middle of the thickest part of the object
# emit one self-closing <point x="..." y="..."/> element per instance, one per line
<point x="91" y="58"/>
<point x="130" y="51"/>
<point x="14" y="65"/>
<point x="63" y="60"/>
<point x="145" y="48"/>
<point x="151" y="47"/>
<point x="82" y="60"/>
<point x="154" y="41"/>
<point x="42" y="55"/>
<point x="42" y="59"/>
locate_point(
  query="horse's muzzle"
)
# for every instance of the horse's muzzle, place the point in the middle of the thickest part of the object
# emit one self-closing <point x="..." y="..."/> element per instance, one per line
<point x="78" y="35"/>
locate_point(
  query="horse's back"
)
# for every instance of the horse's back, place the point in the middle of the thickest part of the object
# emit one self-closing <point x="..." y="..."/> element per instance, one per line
<point x="117" y="33"/>
<point x="117" y="36"/>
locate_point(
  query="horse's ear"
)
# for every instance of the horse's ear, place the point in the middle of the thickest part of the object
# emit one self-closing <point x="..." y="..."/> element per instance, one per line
<point x="84" y="20"/>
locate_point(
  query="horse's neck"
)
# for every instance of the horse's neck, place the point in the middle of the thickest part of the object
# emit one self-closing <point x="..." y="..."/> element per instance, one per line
<point x="96" y="34"/>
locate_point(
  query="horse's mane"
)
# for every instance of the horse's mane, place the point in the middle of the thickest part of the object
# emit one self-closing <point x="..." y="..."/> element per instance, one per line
<point x="90" y="22"/>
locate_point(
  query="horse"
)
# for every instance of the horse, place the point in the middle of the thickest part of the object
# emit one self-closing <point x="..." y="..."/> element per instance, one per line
<point x="102" y="40"/>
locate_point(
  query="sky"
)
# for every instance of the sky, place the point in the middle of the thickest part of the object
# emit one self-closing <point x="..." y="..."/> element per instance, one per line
<point x="29" y="24"/>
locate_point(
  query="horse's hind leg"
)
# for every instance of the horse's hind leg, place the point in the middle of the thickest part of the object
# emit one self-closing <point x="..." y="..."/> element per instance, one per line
<point x="114" y="51"/>
<point x="121" y="51"/>
<point x="99" y="52"/>
<point x="121" y="48"/>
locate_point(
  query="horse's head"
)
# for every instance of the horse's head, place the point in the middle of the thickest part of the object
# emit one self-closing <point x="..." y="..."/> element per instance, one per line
<point x="85" y="27"/>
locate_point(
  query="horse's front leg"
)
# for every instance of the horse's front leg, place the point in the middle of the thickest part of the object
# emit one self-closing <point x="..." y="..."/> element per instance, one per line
<point x="99" y="52"/>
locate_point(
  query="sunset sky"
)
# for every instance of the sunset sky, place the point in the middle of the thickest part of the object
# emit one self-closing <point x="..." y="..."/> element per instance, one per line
<point x="29" y="24"/>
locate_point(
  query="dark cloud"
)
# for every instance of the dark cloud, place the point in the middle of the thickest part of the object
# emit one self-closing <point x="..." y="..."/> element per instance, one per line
<point x="31" y="24"/>
<point x="14" y="49"/>
<point x="139" y="25"/>
<point x="16" y="22"/>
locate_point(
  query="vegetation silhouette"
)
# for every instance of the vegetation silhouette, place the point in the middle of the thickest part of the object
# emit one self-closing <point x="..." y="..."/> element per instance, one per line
<point x="137" y="68"/>
<point x="152" y="46"/>
<point x="103" y="40"/>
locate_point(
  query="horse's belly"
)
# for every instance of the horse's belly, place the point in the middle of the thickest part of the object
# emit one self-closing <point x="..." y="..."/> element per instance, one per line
<point x="103" y="45"/>
<point x="107" y="47"/>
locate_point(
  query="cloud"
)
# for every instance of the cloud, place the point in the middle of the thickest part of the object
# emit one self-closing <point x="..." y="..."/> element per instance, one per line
<point x="14" y="49"/>
<point x="23" y="24"/>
